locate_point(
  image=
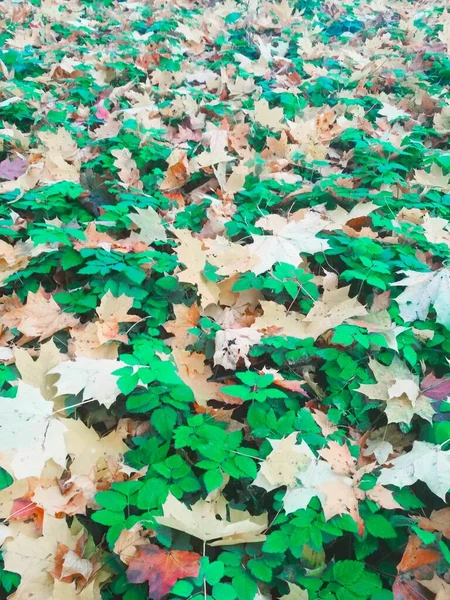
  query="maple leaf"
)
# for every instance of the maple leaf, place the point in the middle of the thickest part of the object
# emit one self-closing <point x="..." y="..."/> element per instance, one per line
<point x="130" y="540"/>
<point x="434" y="179"/>
<point x="190" y="252"/>
<point x="277" y="320"/>
<point x="60" y="143"/>
<point x="289" y="239"/>
<point x="92" y="376"/>
<point x="41" y="317"/>
<point x="399" y="388"/>
<point x="29" y="428"/>
<point x="335" y="481"/>
<point x="162" y="568"/>
<point x="211" y="519"/>
<point x="392" y="112"/>
<point x="36" y="372"/>
<point x="112" y="311"/>
<point x="333" y="309"/>
<point x="149" y="222"/>
<point x="195" y="373"/>
<point x="185" y="318"/>
<point x="283" y="464"/>
<point x="16" y="258"/>
<point x="128" y="171"/>
<point x="34" y="559"/>
<point x="90" y="452"/>
<point x="268" y="117"/>
<point x="86" y="341"/>
<point x="178" y="172"/>
<point x="423" y="291"/>
<point x="426" y="462"/>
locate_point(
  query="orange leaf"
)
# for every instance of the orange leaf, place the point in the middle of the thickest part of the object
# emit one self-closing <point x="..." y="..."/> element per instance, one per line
<point x="414" y="556"/>
<point x="162" y="569"/>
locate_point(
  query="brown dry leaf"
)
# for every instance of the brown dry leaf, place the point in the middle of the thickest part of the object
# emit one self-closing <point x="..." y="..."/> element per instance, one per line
<point x="195" y="373"/>
<point x="276" y="320"/>
<point x="190" y="252"/>
<point x="60" y="143"/>
<point x="94" y="239"/>
<point x="89" y="451"/>
<point x="434" y="179"/>
<point x="34" y="558"/>
<point x="128" y="171"/>
<point x="32" y="431"/>
<point x="16" y="258"/>
<point x="85" y="341"/>
<point x="228" y="257"/>
<point x="333" y="309"/>
<point x="268" y="117"/>
<point x="178" y="172"/>
<point x="438" y="586"/>
<point x="40" y="317"/>
<point x="233" y="345"/>
<point x="326" y="426"/>
<point x="113" y="311"/>
<point x="211" y="519"/>
<point x="35" y="372"/>
<point x="439" y="520"/>
<point x="283" y="463"/>
<point x="185" y="318"/>
<point x="399" y="388"/>
<point x="289" y="238"/>
<point x="129" y="540"/>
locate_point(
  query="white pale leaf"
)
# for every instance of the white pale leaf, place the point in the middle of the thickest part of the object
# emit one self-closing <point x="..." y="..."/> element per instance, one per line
<point x="426" y="462"/>
<point x="92" y="376"/>
<point x="28" y="427"/>
<point x="424" y="290"/>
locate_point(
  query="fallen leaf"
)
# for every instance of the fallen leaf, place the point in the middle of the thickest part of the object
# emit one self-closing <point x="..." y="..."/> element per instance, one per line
<point x="92" y="376"/>
<point x="289" y="239"/>
<point x="113" y="311"/>
<point x="130" y="540"/>
<point x="150" y="224"/>
<point x="424" y="290"/>
<point x="438" y="586"/>
<point x="399" y="388"/>
<point x="295" y="593"/>
<point x="12" y="169"/>
<point x="29" y="428"/>
<point x="212" y="519"/>
<point x="161" y="569"/>
<point x="425" y="462"/>
<point x="439" y="520"/>
<point x="40" y="317"/>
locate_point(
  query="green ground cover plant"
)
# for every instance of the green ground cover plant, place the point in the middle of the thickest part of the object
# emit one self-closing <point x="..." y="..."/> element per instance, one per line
<point x="225" y="300"/>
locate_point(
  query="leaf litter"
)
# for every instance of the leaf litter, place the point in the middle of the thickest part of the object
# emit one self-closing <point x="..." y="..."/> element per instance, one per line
<point x="224" y="300"/>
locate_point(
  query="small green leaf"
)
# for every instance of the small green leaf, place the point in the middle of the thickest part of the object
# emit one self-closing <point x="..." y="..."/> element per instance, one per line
<point x="379" y="527"/>
<point x="111" y="500"/>
<point x="213" y="479"/>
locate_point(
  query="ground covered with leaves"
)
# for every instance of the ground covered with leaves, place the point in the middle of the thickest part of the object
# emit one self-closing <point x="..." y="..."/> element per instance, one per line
<point x="225" y="300"/>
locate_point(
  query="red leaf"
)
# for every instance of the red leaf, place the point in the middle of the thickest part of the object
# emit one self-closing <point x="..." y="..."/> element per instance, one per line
<point x="162" y="569"/>
<point x="12" y="169"/>
<point x="437" y="389"/>
<point x="408" y="590"/>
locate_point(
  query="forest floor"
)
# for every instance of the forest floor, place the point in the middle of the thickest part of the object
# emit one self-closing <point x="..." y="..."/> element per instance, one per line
<point x="225" y="300"/>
